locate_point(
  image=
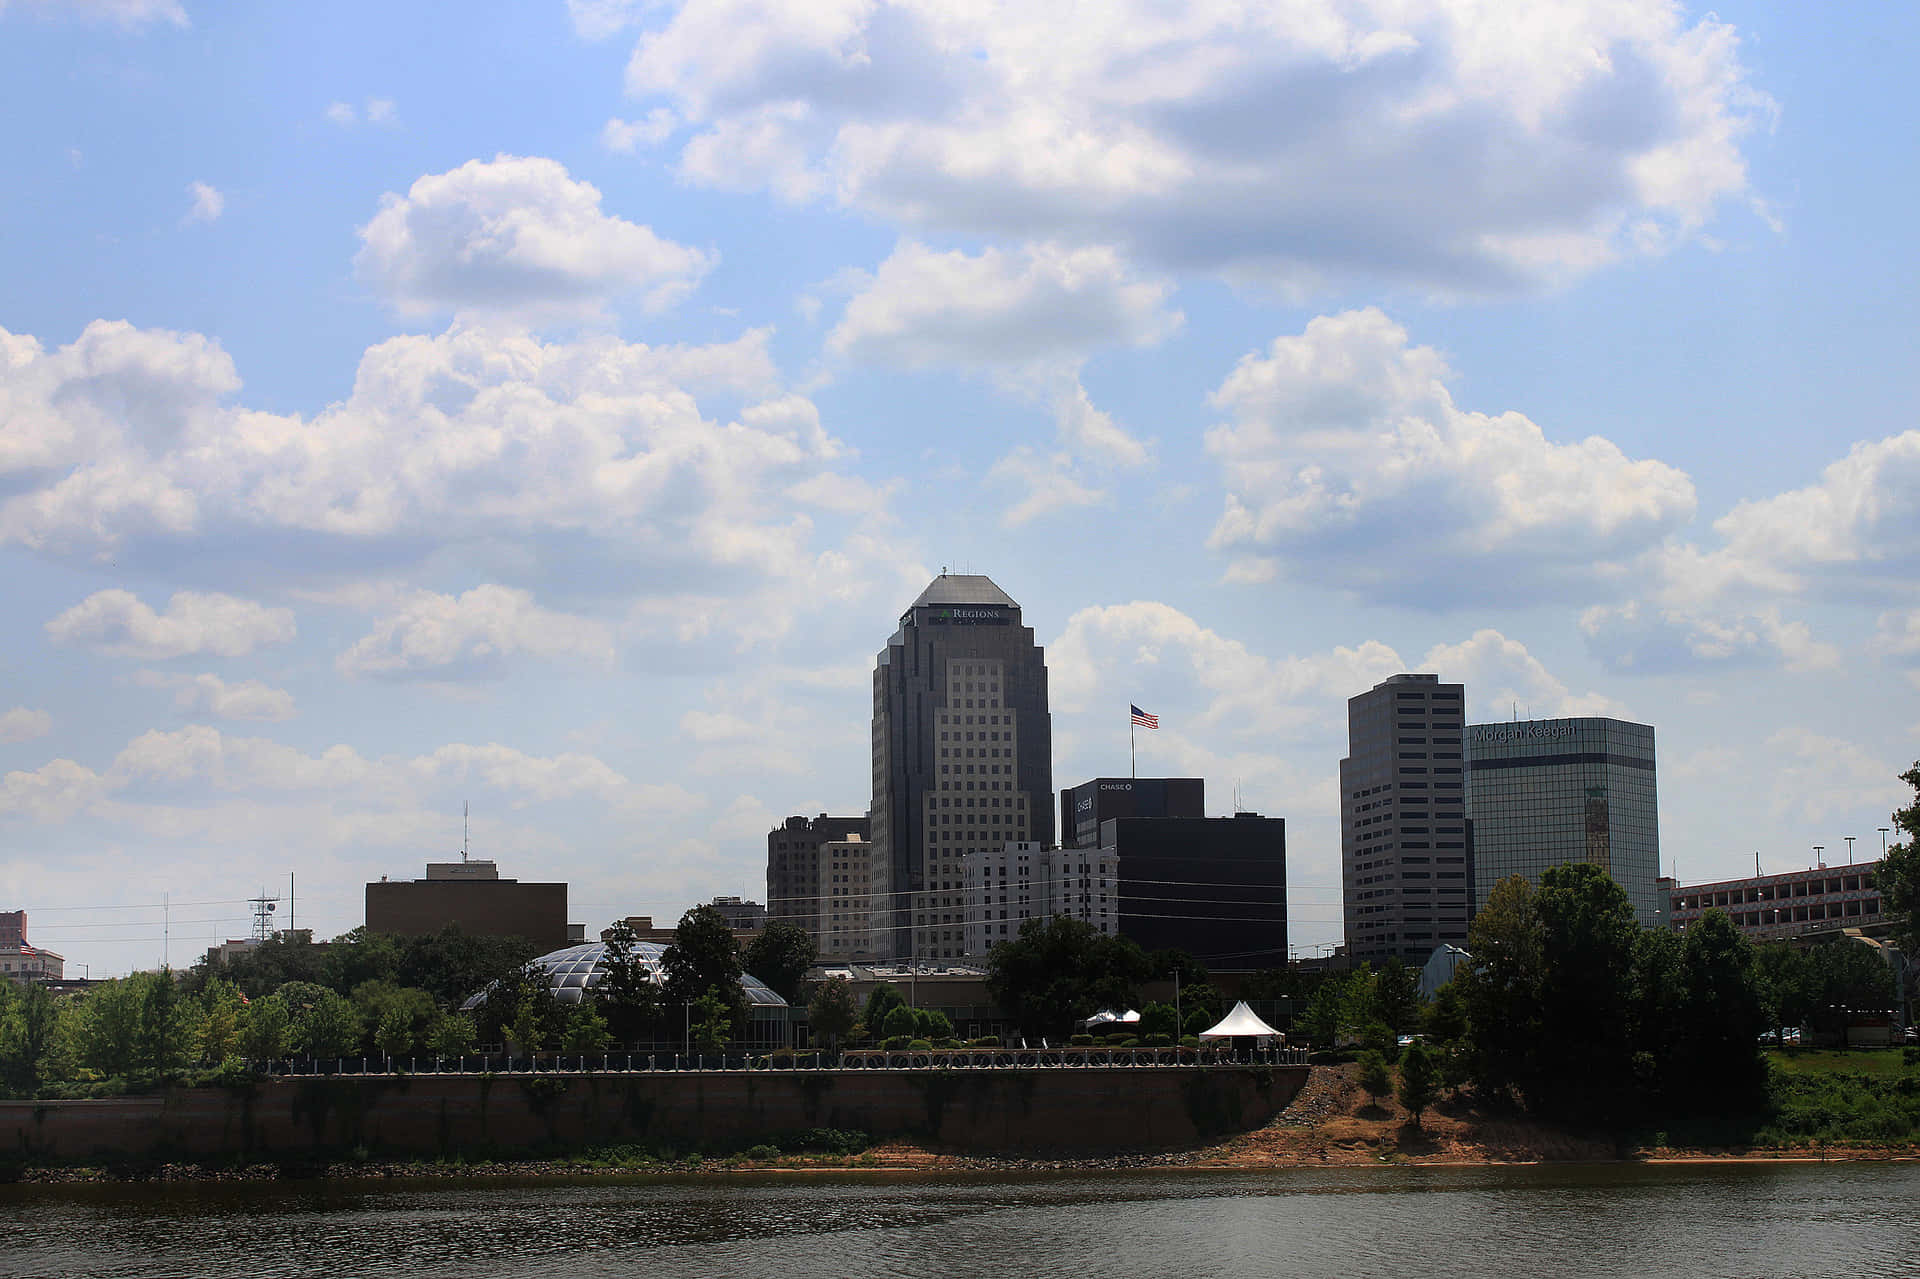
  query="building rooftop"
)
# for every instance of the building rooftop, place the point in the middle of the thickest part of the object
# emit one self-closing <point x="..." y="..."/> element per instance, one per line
<point x="963" y="588"/>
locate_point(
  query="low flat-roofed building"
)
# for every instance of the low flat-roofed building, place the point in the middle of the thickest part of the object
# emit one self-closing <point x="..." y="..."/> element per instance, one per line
<point x="22" y="962"/>
<point x="1771" y="907"/>
<point x="472" y="895"/>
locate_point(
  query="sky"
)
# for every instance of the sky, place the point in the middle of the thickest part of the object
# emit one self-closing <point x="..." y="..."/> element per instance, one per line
<point x="550" y="407"/>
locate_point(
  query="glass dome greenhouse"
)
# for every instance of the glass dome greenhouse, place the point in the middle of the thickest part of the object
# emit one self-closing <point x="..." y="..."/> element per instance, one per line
<point x="578" y="969"/>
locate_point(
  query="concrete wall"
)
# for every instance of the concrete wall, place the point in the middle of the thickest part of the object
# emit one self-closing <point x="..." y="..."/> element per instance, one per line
<point x="1065" y="1111"/>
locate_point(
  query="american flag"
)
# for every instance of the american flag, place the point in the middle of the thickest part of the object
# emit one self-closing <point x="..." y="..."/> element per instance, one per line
<point x="1145" y="720"/>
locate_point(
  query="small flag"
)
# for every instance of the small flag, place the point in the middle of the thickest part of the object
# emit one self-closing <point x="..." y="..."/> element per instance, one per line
<point x="1145" y="720"/>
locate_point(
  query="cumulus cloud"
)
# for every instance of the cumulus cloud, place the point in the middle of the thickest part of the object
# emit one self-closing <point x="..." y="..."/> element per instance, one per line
<point x="1503" y="678"/>
<point x="598" y="19"/>
<point x="1043" y="484"/>
<point x="1030" y="318"/>
<point x="208" y="694"/>
<point x="23" y="724"/>
<point x="517" y="236"/>
<point x="472" y="635"/>
<point x="1347" y="462"/>
<point x="1815" y="776"/>
<point x="51" y="793"/>
<point x="1643" y="637"/>
<point x="627" y="136"/>
<point x="376" y="111"/>
<point x="208" y="203"/>
<point x="1452" y="146"/>
<point x="122" y="13"/>
<point x="118" y="624"/>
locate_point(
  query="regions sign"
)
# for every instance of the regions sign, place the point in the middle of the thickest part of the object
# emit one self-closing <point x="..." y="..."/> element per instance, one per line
<point x="969" y="617"/>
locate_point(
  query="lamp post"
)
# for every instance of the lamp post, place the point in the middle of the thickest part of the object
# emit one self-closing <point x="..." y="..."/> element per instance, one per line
<point x="1817" y="850"/>
<point x="1849" y="840"/>
<point x="1883" y="841"/>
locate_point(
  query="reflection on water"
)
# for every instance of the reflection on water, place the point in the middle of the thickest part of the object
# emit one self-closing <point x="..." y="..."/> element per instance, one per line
<point x="1731" y="1220"/>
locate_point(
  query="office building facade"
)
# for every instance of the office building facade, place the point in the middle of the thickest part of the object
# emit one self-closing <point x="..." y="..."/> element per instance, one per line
<point x="794" y="867"/>
<point x="1009" y="885"/>
<point x="1547" y="792"/>
<point x="1084" y="807"/>
<point x="472" y="895"/>
<point x="1405" y="851"/>
<point x="962" y="757"/>
<point x="1215" y="887"/>
<point x="21" y="962"/>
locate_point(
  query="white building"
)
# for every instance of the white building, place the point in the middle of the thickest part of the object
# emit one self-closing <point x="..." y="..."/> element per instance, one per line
<point x="847" y="898"/>
<point x="1023" y="880"/>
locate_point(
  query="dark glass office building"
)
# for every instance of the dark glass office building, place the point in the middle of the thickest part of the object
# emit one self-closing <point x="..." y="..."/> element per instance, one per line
<point x="1550" y="791"/>
<point x="1215" y="887"/>
<point x="1084" y="807"/>
<point x="962" y="757"/>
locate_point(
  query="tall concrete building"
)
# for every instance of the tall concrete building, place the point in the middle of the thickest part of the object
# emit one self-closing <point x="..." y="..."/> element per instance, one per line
<point x="962" y="757"/>
<point x="796" y="868"/>
<point x="1546" y="792"/>
<point x="472" y="895"/>
<point x="1405" y="859"/>
<point x="1215" y="887"/>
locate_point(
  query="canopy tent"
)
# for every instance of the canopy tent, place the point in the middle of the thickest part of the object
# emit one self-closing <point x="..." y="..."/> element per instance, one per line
<point x="1241" y="1023"/>
<point x="1108" y="1017"/>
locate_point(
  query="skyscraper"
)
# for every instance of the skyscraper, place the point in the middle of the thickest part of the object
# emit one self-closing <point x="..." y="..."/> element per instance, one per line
<point x="1550" y="791"/>
<point x="962" y="757"/>
<point x="1405" y="870"/>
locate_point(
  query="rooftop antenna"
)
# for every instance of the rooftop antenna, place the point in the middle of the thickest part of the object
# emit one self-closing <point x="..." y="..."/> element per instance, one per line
<point x="263" y="909"/>
<point x="463" y="830"/>
<point x="1756" y="863"/>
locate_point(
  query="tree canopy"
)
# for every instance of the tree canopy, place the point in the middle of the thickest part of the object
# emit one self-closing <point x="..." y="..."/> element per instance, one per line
<point x="1061" y="970"/>
<point x="780" y="957"/>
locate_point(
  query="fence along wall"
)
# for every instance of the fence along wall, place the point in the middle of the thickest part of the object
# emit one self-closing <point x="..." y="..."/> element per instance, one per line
<point x="1083" y="1112"/>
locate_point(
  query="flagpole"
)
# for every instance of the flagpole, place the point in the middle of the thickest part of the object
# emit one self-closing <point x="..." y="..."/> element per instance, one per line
<point x="1133" y="767"/>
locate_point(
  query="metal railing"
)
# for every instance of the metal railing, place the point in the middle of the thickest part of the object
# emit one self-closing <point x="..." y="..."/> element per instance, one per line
<point x="1066" y="1058"/>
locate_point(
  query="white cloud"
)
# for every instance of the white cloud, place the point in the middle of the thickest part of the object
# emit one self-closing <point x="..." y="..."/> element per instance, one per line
<point x="208" y="694"/>
<point x="470" y="635"/>
<point x="51" y="793"/>
<point x="1346" y="462"/>
<point x="517" y="236"/>
<point x="627" y="136"/>
<point x="208" y="203"/>
<point x="118" y="624"/>
<point x="1044" y="483"/>
<point x="123" y="13"/>
<point x="1456" y="146"/>
<point x="1043" y="302"/>
<point x="342" y="113"/>
<point x="377" y="111"/>
<point x="380" y="111"/>
<point x="599" y="19"/>
<point x="23" y="724"/>
<point x="1642" y="637"/>
<point x="1815" y="776"/>
<point x="1504" y="679"/>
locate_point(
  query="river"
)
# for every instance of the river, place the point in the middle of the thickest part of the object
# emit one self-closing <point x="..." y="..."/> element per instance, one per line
<point x="1682" y="1220"/>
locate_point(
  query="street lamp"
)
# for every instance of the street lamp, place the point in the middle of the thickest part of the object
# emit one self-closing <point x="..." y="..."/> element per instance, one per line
<point x="1883" y="841"/>
<point x="1849" y="840"/>
<point x="1817" y="850"/>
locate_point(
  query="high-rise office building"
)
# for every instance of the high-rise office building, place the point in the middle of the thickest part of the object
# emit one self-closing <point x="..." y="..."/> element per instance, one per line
<point x="962" y="757"/>
<point x="1215" y="887"/>
<point x="1546" y="792"/>
<point x="796" y="868"/>
<point x="1084" y="807"/>
<point x="1405" y="854"/>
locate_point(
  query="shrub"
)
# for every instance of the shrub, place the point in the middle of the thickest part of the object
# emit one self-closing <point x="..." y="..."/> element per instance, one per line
<point x="762" y="1152"/>
<point x="985" y="1041"/>
<point x="1081" y="1041"/>
<point x="896" y="1043"/>
<point x="1374" y="1075"/>
<point x="920" y="1045"/>
<point x="1156" y="1041"/>
<point x="1118" y="1038"/>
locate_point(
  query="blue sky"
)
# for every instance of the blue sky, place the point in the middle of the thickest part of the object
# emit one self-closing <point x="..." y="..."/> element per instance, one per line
<point x="552" y="410"/>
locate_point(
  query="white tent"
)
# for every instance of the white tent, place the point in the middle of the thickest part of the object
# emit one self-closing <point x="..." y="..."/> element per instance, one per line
<point x="1108" y="1017"/>
<point x="1241" y="1023"/>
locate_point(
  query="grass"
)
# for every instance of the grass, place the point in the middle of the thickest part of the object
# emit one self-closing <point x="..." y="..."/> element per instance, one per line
<point x="1868" y="1063"/>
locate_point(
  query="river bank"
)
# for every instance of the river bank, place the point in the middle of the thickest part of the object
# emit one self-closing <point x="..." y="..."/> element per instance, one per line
<point x="1330" y="1123"/>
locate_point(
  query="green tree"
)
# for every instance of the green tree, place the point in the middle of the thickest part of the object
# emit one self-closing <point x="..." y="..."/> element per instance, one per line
<point x="1898" y="877"/>
<point x="831" y="1012"/>
<point x="453" y="964"/>
<point x="266" y="1029"/>
<point x="1444" y="1021"/>
<point x="882" y="1000"/>
<point x="29" y="1021"/>
<point x="220" y="1012"/>
<point x="1173" y="962"/>
<point x="586" y="1029"/>
<point x="1397" y="993"/>
<point x="1716" y="1065"/>
<point x="629" y="997"/>
<point x="1322" y="1020"/>
<point x="527" y="1029"/>
<point x="379" y="1001"/>
<point x="1375" y="1077"/>
<point x="780" y="957"/>
<point x="1585" y="1066"/>
<point x="110" y="1025"/>
<point x="324" y="1023"/>
<point x="1848" y="979"/>
<point x="936" y="1025"/>
<point x="394" y="1035"/>
<point x="1062" y="970"/>
<point x="901" y="1022"/>
<point x="703" y="960"/>
<point x="1159" y="1019"/>
<point x="712" y="1023"/>
<point x="451" y="1035"/>
<point x="1787" y="985"/>
<point x="360" y="956"/>
<point x="1501" y="987"/>
<point x="167" y="1022"/>
<point x="1419" y="1080"/>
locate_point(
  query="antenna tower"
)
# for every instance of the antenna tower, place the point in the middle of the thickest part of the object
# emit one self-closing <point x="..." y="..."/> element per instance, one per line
<point x="263" y="909"/>
<point x="463" y="830"/>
